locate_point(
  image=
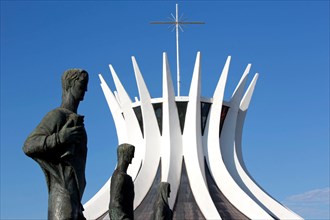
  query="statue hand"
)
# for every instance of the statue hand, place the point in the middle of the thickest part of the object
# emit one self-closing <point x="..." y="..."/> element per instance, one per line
<point x="70" y="133"/>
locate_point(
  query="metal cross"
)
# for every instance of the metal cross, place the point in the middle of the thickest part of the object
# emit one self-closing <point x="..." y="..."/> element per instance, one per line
<point x="176" y="21"/>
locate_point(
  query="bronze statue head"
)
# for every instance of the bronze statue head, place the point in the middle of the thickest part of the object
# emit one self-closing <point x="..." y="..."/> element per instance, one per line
<point x="125" y="153"/>
<point x="74" y="81"/>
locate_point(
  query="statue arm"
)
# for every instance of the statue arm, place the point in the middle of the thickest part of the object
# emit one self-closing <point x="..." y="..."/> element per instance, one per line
<point x="45" y="136"/>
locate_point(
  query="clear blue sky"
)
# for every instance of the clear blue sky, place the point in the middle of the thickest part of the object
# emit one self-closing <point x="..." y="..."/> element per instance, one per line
<point x="286" y="134"/>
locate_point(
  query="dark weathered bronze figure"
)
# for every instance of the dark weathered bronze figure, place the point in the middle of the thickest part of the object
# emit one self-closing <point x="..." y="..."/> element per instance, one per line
<point x="122" y="187"/>
<point x="162" y="210"/>
<point x="59" y="145"/>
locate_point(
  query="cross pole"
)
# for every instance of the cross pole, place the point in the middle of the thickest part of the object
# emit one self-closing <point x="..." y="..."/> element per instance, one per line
<point x="177" y="24"/>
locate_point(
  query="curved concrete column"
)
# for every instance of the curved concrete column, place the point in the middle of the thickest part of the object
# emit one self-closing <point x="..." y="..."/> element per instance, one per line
<point x="212" y="128"/>
<point x="98" y="204"/>
<point x="127" y="131"/>
<point x="193" y="150"/>
<point x="116" y="111"/>
<point x="152" y="140"/>
<point x="273" y="206"/>
<point x="230" y="150"/>
<point x="219" y="160"/>
<point x="133" y="130"/>
<point x="171" y="137"/>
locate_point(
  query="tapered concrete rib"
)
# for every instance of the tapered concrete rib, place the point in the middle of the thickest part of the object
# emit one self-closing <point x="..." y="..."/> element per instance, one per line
<point x="212" y="151"/>
<point x="152" y="140"/>
<point x="231" y="160"/>
<point x="133" y="130"/>
<point x="99" y="203"/>
<point x="115" y="111"/>
<point x="244" y="105"/>
<point x="228" y="132"/>
<point x="217" y="158"/>
<point x="171" y="137"/>
<point x="192" y="148"/>
<point x="255" y="190"/>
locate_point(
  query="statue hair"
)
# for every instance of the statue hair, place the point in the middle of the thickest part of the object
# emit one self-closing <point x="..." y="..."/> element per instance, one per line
<point x="72" y="75"/>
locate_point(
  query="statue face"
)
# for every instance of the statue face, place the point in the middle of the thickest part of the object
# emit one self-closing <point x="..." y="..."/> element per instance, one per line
<point x="169" y="191"/>
<point x="79" y="88"/>
<point x="131" y="155"/>
<point x="128" y="157"/>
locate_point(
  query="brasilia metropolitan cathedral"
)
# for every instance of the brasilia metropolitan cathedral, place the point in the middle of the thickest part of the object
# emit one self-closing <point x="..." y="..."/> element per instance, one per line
<point x="194" y="143"/>
<point x="191" y="142"/>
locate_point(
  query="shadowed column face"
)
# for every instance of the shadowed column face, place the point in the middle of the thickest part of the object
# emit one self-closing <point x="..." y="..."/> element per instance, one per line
<point x="182" y="108"/>
<point x="224" y="112"/>
<point x="224" y="207"/>
<point x="145" y="209"/>
<point x="186" y="206"/>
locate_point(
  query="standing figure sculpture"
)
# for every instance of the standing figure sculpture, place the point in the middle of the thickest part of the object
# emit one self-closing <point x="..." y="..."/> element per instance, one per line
<point x="162" y="210"/>
<point x="122" y="187"/>
<point x="59" y="145"/>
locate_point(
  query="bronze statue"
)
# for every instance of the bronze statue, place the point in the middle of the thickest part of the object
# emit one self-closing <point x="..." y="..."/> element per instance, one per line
<point x="122" y="187"/>
<point x="59" y="145"/>
<point x="162" y="210"/>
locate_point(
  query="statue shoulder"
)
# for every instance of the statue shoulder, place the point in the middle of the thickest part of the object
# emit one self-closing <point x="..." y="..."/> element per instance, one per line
<point x="119" y="177"/>
<point x="57" y="113"/>
<point x="35" y="143"/>
<point x="54" y="117"/>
